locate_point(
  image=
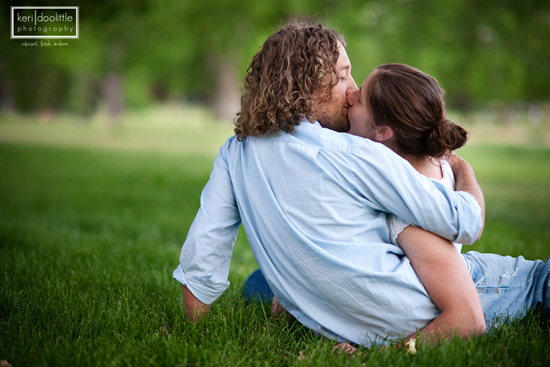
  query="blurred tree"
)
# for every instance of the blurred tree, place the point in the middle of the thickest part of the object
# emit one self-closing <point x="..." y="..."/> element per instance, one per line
<point x="209" y="41"/>
<point x="481" y="50"/>
<point x="131" y="52"/>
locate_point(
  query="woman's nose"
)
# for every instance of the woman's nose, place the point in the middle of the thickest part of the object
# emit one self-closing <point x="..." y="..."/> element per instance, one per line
<point x="352" y="97"/>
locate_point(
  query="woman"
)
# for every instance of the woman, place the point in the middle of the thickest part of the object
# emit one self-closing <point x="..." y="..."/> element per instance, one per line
<point x="403" y="108"/>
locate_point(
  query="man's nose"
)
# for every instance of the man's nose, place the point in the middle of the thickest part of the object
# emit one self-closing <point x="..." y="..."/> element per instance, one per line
<point x="352" y="85"/>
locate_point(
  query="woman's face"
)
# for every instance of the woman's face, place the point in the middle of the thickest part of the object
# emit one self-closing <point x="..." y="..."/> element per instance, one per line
<point x="359" y="116"/>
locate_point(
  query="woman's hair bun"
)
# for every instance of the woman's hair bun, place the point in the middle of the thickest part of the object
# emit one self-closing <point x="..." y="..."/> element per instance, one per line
<point x="444" y="137"/>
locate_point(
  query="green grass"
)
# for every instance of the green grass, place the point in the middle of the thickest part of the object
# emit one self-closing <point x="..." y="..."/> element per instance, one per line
<point x="89" y="237"/>
<point x="516" y="186"/>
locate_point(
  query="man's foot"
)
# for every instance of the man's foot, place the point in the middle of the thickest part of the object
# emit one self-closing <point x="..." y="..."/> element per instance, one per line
<point x="344" y="348"/>
<point x="276" y="308"/>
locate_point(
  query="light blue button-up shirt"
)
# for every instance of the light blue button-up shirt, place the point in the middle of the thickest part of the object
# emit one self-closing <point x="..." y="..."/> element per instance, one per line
<point x="313" y="206"/>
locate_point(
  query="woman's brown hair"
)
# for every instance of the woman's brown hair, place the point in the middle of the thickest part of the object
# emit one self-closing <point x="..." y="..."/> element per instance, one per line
<point x="282" y="77"/>
<point x="411" y="103"/>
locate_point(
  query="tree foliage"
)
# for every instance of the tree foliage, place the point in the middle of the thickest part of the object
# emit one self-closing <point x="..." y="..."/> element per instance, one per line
<point x="481" y="51"/>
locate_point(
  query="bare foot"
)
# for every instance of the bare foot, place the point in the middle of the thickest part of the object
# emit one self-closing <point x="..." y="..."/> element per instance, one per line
<point x="276" y="308"/>
<point x="345" y="348"/>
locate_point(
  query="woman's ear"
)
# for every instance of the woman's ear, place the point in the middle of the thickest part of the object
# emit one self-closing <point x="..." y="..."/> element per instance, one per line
<point x="383" y="134"/>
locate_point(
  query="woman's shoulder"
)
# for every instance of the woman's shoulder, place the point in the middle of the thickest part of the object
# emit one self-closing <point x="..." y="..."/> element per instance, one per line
<point x="448" y="175"/>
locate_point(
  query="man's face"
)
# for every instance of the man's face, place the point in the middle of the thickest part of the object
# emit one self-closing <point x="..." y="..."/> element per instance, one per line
<point x="332" y="113"/>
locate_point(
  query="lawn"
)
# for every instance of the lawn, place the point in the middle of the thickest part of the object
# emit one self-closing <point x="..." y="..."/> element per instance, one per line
<point x="92" y="218"/>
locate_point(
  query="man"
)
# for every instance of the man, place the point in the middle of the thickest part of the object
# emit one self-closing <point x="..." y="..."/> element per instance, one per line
<point x="313" y="204"/>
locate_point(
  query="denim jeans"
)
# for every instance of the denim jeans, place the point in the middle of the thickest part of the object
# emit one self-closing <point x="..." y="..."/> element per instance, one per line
<point x="509" y="286"/>
<point x="256" y="288"/>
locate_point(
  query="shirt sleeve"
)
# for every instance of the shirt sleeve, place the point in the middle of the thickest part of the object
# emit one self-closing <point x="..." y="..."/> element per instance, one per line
<point x="396" y="225"/>
<point x="389" y="183"/>
<point x="206" y="253"/>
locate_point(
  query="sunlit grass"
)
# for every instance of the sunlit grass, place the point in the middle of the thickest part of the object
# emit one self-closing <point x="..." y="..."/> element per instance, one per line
<point x="516" y="184"/>
<point x="168" y="129"/>
<point x="91" y="230"/>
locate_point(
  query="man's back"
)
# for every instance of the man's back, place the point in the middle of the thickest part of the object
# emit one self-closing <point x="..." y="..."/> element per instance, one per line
<point x="312" y="203"/>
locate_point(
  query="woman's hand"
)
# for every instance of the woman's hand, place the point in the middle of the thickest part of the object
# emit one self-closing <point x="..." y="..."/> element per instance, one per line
<point x="465" y="179"/>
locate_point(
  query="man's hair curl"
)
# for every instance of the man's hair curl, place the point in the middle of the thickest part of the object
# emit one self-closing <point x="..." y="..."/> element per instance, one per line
<point x="282" y="77"/>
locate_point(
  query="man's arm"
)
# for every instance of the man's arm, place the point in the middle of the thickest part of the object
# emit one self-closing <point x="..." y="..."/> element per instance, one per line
<point x="465" y="179"/>
<point x="443" y="273"/>
<point x="390" y="184"/>
<point x="206" y="254"/>
<point x="194" y="308"/>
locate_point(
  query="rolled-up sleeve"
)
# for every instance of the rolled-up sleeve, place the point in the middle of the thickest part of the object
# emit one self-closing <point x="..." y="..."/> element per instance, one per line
<point x="206" y="253"/>
<point x="391" y="184"/>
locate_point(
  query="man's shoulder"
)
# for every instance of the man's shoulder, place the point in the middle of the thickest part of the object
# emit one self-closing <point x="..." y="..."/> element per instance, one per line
<point x="311" y="135"/>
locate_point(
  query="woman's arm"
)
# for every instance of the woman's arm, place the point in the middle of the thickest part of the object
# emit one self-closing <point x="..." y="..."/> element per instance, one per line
<point x="444" y="275"/>
<point x="465" y="179"/>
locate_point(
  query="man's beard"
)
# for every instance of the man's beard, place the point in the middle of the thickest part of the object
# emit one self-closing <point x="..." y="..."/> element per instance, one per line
<point x="330" y="112"/>
<point x="334" y="121"/>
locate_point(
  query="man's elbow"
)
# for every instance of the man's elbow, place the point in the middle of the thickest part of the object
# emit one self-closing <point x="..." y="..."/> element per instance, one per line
<point x="470" y="234"/>
<point x="479" y="235"/>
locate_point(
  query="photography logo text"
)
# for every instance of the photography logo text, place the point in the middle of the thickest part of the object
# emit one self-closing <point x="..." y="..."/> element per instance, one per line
<point x="44" y="22"/>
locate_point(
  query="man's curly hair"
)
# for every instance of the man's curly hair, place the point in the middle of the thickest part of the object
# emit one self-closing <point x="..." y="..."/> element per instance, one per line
<point x="283" y="76"/>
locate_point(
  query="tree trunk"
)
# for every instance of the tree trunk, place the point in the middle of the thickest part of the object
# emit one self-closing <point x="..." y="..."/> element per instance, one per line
<point x="6" y="97"/>
<point x="112" y="95"/>
<point x="226" y="101"/>
<point x="112" y="84"/>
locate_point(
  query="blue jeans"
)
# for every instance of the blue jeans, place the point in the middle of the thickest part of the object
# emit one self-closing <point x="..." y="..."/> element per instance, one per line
<point x="506" y="286"/>
<point x="256" y="288"/>
<point x="509" y="286"/>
